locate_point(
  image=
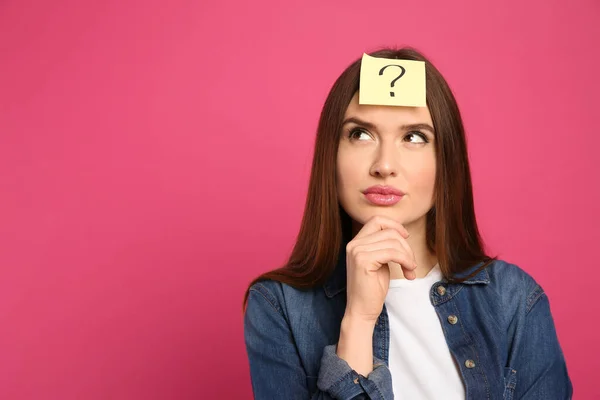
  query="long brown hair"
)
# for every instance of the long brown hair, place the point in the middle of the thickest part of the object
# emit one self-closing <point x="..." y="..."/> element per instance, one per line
<point x="452" y="232"/>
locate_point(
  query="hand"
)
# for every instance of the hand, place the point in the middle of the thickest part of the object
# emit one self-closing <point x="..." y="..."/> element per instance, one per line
<point x="380" y="241"/>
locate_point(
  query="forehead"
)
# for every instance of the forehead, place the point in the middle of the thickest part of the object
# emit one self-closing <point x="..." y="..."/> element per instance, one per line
<point x="387" y="114"/>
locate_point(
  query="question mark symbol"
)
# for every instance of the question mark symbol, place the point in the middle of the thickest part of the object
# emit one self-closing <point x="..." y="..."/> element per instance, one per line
<point x="398" y="77"/>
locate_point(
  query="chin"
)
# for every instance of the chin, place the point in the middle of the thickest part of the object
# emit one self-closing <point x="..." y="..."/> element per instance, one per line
<point x="363" y="215"/>
<point x="407" y="216"/>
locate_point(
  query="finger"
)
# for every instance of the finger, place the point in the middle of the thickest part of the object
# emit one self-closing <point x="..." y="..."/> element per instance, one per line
<point x="382" y="235"/>
<point x="387" y="233"/>
<point x="385" y="270"/>
<point x="393" y="243"/>
<point x="374" y="260"/>
<point x="378" y="223"/>
<point x="408" y="273"/>
<point x="408" y="249"/>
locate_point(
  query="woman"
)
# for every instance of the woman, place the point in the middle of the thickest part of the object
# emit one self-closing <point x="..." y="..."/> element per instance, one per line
<point x="388" y="292"/>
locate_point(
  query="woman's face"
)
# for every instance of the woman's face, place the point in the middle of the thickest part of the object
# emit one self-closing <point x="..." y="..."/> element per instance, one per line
<point x="391" y="147"/>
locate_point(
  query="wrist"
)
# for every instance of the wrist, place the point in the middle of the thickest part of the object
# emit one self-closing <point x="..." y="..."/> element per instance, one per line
<point x="352" y="323"/>
<point x="355" y="344"/>
<point x="359" y="320"/>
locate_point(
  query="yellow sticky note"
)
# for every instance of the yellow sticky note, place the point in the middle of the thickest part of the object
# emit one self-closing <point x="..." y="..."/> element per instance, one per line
<point x="392" y="82"/>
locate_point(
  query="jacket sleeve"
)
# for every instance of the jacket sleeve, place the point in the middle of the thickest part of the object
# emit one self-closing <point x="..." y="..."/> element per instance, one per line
<point x="541" y="370"/>
<point x="276" y="371"/>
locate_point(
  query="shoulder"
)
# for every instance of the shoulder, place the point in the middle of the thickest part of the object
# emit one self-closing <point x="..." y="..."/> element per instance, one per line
<point x="267" y="292"/>
<point x="513" y="284"/>
<point x="279" y="295"/>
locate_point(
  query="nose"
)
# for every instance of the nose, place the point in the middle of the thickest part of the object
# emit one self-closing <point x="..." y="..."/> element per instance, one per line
<point x="385" y="163"/>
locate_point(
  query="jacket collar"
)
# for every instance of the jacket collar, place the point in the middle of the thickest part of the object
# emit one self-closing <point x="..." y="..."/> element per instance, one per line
<point x="481" y="277"/>
<point x="337" y="281"/>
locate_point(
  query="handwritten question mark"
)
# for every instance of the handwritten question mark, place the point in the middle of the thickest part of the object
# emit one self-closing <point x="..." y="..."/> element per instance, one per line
<point x="398" y="77"/>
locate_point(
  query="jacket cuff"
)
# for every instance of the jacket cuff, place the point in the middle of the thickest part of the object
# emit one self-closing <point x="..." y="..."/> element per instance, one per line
<point x="342" y="382"/>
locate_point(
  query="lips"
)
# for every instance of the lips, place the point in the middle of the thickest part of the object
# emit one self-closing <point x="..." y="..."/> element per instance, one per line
<point x="383" y="195"/>
<point x="384" y="190"/>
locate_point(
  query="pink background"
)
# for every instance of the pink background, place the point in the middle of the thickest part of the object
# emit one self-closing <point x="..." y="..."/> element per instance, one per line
<point x="154" y="157"/>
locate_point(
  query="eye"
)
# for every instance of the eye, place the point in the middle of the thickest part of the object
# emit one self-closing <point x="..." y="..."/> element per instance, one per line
<point x="359" y="134"/>
<point x="416" y="137"/>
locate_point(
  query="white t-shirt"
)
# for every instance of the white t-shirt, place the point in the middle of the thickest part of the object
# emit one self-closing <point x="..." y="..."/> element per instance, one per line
<point x="420" y="362"/>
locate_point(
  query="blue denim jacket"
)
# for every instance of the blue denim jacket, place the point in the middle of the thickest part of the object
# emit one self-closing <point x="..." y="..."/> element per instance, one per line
<point x="501" y="334"/>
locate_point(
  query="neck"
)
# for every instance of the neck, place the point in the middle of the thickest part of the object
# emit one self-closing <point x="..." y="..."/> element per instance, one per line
<point x="418" y="243"/>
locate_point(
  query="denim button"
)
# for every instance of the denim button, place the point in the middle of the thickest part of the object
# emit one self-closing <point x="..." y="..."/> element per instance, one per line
<point x="441" y="290"/>
<point x="470" y="364"/>
<point x="453" y="319"/>
<point x="356" y="380"/>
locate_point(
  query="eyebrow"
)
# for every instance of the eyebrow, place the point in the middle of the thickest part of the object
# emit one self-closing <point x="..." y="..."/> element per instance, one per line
<point x="368" y="125"/>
